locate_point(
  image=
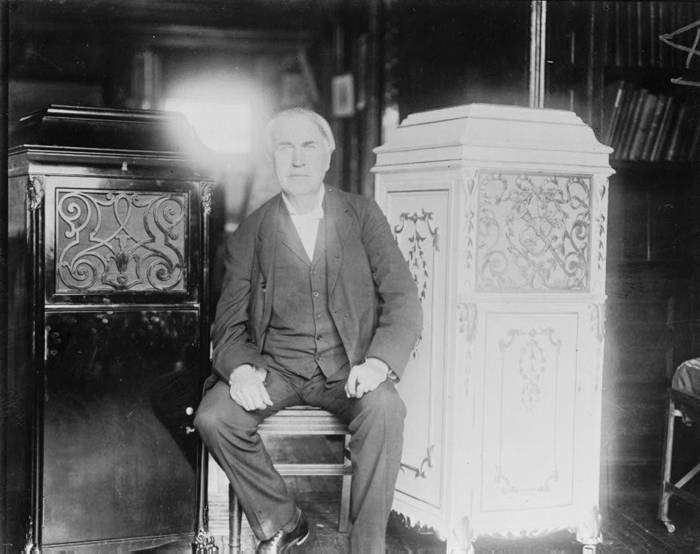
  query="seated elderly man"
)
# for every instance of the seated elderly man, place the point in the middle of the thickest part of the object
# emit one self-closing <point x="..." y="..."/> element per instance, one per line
<point x="318" y="307"/>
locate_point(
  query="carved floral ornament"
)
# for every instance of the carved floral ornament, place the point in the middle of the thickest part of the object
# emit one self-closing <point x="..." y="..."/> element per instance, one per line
<point x="207" y="191"/>
<point x="117" y="241"/>
<point x="537" y="351"/>
<point x="533" y="232"/>
<point x="35" y="192"/>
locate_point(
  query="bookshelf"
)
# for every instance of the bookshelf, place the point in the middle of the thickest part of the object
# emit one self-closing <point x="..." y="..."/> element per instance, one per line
<point x="645" y="117"/>
<point x="608" y="64"/>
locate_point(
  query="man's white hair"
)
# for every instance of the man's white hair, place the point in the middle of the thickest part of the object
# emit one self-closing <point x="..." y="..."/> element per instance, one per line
<point x="311" y="115"/>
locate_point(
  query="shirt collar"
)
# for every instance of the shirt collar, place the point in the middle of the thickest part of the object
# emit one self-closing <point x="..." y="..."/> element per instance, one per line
<point x="316" y="213"/>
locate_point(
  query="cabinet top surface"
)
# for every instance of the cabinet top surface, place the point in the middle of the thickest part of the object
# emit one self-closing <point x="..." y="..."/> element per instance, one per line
<point x="102" y="129"/>
<point x="474" y="130"/>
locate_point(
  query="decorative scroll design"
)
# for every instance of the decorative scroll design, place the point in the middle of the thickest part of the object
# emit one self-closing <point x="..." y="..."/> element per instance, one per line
<point x="35" y="192"/>
<point x="466" y="316"/>
<point x="207" y="190"/>
<point x="597" y="313"/>
<point x="29" y="545"/>
<point x="412" y="522"/>
<point x="602" y="228"/>
<point x="466" y="325"/>
<point x="111" y="241"/>
<point x="469" y="179"/>
<point x="463" y="533"/>
<point x="507" y="486"/>
<point x="426" y="463"/>
<point x="589" y="529"/>
<point x="205" y="543"/>
<point x="533" y="233"/>
<point x="417" y="261"/>
<point x="531" y="348"/>
<point x="532" y="360"/>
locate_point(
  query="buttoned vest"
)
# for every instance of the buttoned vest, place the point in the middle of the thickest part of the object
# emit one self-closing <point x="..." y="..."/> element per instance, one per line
<point x="301" y="335"/>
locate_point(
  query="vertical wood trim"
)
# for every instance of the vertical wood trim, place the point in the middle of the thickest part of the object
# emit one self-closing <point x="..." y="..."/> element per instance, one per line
<point x="538" y="45"/>
<point x="372" y="117"/>
<point x="35" y="245"/>
<point x="389" y="109"/>
<point x="595" y="76"/>
<point x="5" y="532"/>
<point x="337" y="125"/>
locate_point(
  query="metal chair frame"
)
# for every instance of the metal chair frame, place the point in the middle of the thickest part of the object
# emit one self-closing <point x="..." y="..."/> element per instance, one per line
<point x="690" y="404"/>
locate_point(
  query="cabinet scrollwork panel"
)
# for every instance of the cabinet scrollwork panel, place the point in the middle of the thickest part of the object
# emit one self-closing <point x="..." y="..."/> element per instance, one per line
<point x="120" y="240"/>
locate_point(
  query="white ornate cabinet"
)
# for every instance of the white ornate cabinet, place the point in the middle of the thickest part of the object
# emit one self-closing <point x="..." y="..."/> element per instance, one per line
<point x="501" y="214"/>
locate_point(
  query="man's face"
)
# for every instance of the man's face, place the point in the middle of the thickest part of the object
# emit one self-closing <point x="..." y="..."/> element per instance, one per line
<point x="300" y="154"/>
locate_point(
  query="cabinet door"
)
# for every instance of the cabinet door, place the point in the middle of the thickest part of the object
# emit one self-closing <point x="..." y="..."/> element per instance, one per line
<point x="538" y="422"/>
<point x="121" y="240"/>
<point x="418" y="209"/>
<point x="119" y="447"/>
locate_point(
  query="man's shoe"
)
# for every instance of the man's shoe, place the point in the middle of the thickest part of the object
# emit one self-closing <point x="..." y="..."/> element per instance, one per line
<point x="283" y="541"/>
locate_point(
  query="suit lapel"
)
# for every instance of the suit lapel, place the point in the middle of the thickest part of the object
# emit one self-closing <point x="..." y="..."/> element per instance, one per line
<point x="267" y="239"/>
<point x="267" y="252"/>
<point x="338" y="226"/>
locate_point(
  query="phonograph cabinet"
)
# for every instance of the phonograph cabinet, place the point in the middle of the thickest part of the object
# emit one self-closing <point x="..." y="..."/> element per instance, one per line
<point x="108" y="342"/>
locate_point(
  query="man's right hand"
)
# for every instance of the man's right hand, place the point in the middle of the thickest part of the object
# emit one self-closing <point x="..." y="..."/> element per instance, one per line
<point x="247" y="389"/>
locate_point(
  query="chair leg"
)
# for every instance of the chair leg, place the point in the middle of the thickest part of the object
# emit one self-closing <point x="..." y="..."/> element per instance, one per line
<point x="344" y="515"/>
<point x="666" y="471"/>
<point x="234" y="522"/>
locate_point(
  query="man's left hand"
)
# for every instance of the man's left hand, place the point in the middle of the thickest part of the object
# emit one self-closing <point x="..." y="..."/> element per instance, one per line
<point x="366" y="377"/>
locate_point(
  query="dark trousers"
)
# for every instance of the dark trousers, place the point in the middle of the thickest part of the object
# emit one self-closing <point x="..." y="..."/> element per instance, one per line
<point x="375" y="422"/>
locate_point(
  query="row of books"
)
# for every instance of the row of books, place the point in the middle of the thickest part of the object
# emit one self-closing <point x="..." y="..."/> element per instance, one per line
<point x="646" y="126"/>
<point x="633" y="30"/>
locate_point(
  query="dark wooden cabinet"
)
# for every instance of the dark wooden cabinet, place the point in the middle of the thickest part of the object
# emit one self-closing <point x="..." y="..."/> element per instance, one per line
<point x="109" y="330"/>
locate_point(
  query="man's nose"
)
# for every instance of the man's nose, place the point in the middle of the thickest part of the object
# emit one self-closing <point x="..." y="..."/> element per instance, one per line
<point x="298" y="158"/>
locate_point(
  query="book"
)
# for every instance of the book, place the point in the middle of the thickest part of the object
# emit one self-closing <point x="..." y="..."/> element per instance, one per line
<point x="624" y="121"/>
<point x="641" y="132"/>
<point x="663" y="131"/>
<point x="694" y="150"/>
<point x="653" y="129"/>
<point x="612" y="113"/>
<point x="628" y="133"/>
<point x="672" y="150"/>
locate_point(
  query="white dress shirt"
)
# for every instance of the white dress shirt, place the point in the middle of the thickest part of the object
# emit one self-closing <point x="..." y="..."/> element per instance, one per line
<point x="307" y="224"/>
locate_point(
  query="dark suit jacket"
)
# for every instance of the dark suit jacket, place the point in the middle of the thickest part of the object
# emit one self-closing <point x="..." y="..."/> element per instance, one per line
<point x="373" y="299"/>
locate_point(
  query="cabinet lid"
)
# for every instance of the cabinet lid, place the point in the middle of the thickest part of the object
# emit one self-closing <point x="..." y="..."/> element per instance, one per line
<point x="490" y="131"/>
<point x="78" y="127"/>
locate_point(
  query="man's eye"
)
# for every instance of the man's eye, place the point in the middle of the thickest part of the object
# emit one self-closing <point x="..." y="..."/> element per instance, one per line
<point x="283" y="148"/>
<point x="311" y="146"/>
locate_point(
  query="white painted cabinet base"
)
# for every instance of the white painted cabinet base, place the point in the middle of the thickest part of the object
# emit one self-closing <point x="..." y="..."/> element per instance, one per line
<point x="501" y="214"/>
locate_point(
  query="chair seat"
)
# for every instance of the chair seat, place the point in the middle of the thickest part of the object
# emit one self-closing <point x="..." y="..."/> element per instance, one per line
<point x="303" y="420"/>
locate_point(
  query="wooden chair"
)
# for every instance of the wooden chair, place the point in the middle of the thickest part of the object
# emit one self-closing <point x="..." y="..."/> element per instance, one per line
<point x="301" y="421"/>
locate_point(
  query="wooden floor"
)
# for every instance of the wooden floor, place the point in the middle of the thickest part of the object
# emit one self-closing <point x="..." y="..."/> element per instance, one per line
<point x="629" y="508"/>
<point x="629" y="504"/>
